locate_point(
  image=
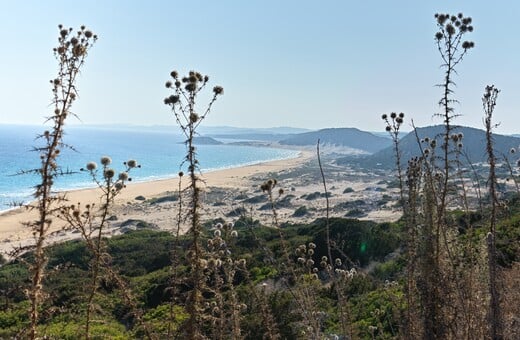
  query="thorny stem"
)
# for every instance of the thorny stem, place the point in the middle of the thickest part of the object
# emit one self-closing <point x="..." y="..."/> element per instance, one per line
<point x="495" y="312"/>
<point x="71" y="57"/>
<point x="183" y="106"/>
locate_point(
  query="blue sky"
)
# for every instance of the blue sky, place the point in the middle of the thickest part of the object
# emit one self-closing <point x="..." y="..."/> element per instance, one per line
<point x="300" y="63"/>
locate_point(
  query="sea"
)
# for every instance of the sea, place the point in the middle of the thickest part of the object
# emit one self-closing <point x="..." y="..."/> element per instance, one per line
<point x="160" y="153"/>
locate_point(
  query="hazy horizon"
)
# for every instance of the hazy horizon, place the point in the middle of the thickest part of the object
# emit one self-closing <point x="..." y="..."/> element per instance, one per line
<point x="301" y="64"/>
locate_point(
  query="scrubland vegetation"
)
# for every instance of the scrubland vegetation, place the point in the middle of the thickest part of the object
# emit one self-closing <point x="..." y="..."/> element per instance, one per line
<point x="447" y="269"/>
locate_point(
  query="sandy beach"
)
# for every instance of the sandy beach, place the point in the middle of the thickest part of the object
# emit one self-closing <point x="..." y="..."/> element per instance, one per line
<point x="227" y="194"/>
<point x="12" y="231"/>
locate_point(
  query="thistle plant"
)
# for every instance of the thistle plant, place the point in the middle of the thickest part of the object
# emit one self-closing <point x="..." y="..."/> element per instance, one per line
<point x="393" y="125"/>
<point x="496" y="331"/>
<point x="183" y="102"/>
<point x="452" y="49"/>
<point x="70" y="53"/>
<point x="92" y="222"/>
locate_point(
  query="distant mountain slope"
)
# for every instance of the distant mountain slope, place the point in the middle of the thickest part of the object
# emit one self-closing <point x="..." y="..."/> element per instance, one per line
<point x="348" y="137"/>
<point x="229" y="130"/>
<point x="474" y="144"/>
<point x="252" y="136"/>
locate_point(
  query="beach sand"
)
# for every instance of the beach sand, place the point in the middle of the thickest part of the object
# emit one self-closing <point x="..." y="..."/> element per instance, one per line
<point x="223" y="193"/>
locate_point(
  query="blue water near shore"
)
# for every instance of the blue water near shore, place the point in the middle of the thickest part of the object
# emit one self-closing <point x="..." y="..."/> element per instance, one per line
<point x="160" y="154"/>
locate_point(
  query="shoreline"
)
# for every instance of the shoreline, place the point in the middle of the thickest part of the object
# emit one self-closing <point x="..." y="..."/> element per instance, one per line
<point x="13" y="232"/>
<point x="88" y="185"/>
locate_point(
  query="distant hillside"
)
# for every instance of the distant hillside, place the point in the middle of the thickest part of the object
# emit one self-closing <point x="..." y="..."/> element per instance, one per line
<point x="348" y="137"/>
<point x="252" y="136"/>
<point x="474" y="143"/>
<point x="230" y="130"/>
<point x="205" y="141"/>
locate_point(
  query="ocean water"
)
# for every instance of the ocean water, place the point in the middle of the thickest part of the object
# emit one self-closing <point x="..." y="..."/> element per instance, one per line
<point x="160" y="154"/>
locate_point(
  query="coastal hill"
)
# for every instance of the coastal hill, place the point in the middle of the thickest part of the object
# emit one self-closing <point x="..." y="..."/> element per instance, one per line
<point x="345" y="137"/>
<point x="473" y="144"/>
<point x="351" y="138"/>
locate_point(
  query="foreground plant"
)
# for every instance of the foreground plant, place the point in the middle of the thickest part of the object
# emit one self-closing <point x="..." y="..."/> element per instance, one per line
<point x="70" y="53"/>
<point x="183" y="104"/>
<point x="92" y="222"/>
<point x="489" y="100"/>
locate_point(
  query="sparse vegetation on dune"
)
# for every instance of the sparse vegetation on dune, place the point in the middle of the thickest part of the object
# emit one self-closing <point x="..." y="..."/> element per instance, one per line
<point x="278" y="263"/>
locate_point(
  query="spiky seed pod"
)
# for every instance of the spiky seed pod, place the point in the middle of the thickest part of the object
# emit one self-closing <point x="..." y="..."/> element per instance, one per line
<point x="384" y="116"/>
<point x="234" y="233"/>
<point x="168" y="84"/>
<point x="194" y="117"/>
<point x="401" y="115"/>
<point x="132" y="163"/>
<point x="109" y="173"/>
<point x="191" y="87"/>
<point x="174" y="99"/>
<point x="119" y="186"/>
<point x="218" y="90"/>
<point x="91" y="166"/>
<point x="123" y="176"/>
<point x="217" y="233"/>
<point x="312" y="245"/>
<point x="174" y="74"/>
<point x="393" y="115"/>
<point x="105" y="160"/>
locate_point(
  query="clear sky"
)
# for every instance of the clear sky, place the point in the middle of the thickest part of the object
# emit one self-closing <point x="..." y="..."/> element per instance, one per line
<point x="300" y="63"/>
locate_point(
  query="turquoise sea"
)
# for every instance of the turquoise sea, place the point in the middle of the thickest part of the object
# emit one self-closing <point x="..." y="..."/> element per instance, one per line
<point x="159" y="152"/>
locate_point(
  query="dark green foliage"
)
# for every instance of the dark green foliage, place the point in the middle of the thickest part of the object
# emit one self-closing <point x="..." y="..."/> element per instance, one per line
<point x="384" y="200"/>
<point x="316" y="195"/>
<point x="355" y="213"/>
<point x="348" y="190"/>
<point x="284" y="202"/>
<point x="237" y="212"/>
<point x="379" y="308"/>
<point x="140" y="252"/>
<point x="360" y="241"/>
<point x="256" y="199"/>
<point x="390" y="270"/>
<point x="301" y="211"/>
<point x="162" y="199"/>
<point x="348" y="205"/>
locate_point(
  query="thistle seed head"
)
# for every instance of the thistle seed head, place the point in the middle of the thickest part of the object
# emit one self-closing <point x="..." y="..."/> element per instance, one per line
<point x="105" y="160"/>
<point x="91" y="166"/>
